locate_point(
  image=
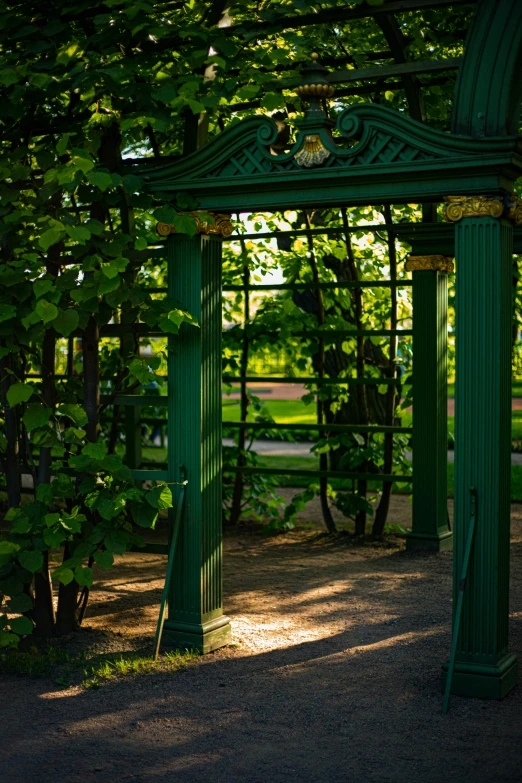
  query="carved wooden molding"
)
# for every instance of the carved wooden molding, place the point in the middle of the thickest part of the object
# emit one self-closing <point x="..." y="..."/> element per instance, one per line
<point x="431" y="263"/>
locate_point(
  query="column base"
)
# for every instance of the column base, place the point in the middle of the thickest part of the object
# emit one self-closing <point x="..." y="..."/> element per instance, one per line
<point x="484" y="682"/>
<point x="429" y="542"/>
<point x="202" y="638"/>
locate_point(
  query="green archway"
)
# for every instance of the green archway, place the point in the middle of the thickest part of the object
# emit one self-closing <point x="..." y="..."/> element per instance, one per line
<point x="374" y="155"/>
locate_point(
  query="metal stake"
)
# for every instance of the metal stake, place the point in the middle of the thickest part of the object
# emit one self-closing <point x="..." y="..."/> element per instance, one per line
<point x="168" y="575"/>
<point x="460" y="599"/>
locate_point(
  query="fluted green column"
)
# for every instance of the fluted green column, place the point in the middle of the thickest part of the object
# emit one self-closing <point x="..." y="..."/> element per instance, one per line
<point x="484" y="666"/>
<point x="195" y="616"/>
<point x="430" y="529"/>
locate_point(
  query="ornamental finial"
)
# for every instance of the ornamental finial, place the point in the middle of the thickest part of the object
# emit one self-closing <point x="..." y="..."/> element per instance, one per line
<point x="315" y="84"/>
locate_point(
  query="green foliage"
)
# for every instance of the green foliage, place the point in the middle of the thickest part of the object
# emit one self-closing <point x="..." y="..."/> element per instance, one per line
<point x="86" y="89"/>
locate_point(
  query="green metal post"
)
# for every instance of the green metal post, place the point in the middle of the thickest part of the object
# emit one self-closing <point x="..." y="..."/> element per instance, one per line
<point x="195" y="616"/>
<point x="430" y="529"/>
<point x="483" y="243"/>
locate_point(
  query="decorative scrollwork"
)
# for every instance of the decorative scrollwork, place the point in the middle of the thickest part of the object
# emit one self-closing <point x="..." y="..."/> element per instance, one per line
<point x="459" y="207"/>
<point x="431" y="263"/>
<point x="312" y="153"/>
<point x="222" y="225"/>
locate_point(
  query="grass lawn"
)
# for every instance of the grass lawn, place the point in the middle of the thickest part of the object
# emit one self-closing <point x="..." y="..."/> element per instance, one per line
<point x="516" y="388"/>
<point x="296" y="412"/>
<point x="310" y="463"/>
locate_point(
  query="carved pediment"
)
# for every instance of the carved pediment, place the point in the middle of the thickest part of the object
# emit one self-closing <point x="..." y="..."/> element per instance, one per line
<point x="361" y="160"/>
<point x="366" y="135"/>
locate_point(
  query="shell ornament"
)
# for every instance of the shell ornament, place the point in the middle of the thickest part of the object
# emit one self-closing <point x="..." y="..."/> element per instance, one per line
<point x="312" y="153"/>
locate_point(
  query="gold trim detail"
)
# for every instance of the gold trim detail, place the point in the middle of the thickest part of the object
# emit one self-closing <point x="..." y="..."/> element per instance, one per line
<point x="432" y="263"/>
<point x="315" y="90"/>
<point x="222" y="225"/>
<point x="312" y="153"/>
<point x="459" y="207"/>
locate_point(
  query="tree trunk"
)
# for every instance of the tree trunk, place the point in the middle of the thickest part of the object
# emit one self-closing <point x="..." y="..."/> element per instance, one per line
<point x="44" y="617"/>
<point x="12" y="460"/>
<point x="323" y="458"/>
<point x="67" y="614"/>
<point x="384" y="504"/>
<point x="362" y="403"/>
<point x="239" y="480"/>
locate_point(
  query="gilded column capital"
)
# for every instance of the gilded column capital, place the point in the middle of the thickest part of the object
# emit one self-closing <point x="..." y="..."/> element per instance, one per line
<point x="221" y="225"/>
<point x="431" y="263"/>
<point x="458" y="207"/>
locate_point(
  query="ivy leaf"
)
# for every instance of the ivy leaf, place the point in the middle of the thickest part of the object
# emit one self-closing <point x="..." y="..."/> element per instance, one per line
<point x="62" y="144"/>
<point x="54" y="538"/>
<point x="139" y="369"/>
<point x="7" y="312"/>
<point x="35" y="416"/>
<point x="21" y="626"/>
<point x="100" y="179"/>
<point x="78" y="233"/>
<point x="117" y="542"/>
<point x="64" y="575"/>
<point x="41" y="287"/>
<point x="44" y="494"/>
<point x="106" y="285"/>
<point x="185" y="224"/>
<point x="159" y="497"/>
<point x="140" y="243"/>
<point x="165" y="94"/>
<point x="20" y="603"/>
<point x="46" y="310"/>
<point x="110" y="508"/>
<point x="95" y="450"/>
<point x="8" y="639"/>
<point x="32" y="561"/>
<point x="50" y="237"/>
<point x="165" y="214"/>
<point x="21" y="525"/>
<point x="8" y="76"/>
<point x="272" y="101"/>
<point x="67" y="322"/>
<point x="80" y="462"/>
<point x="112" y="463"/>
<point x="104" y="559"/>
<point x="7" y="548"/>
<point x="84" y="549"/>
<point x="19" y="392"/>
<point x="51" y="519"/>
<point x="143" y="514"/>
<point x="74" y="412"/>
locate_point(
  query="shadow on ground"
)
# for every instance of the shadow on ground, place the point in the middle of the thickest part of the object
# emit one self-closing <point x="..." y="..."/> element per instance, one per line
<point x="337" y="679"/>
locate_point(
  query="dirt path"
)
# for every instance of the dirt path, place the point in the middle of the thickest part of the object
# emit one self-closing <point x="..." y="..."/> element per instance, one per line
<point x="336" y="678"/>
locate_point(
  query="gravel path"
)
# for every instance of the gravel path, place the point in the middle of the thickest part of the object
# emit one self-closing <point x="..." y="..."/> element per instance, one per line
<point x="336" y="678"/>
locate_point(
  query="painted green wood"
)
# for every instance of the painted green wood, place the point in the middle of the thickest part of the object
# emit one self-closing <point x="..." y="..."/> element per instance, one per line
<point x="489" y="89"/>
<point x="263" y="425"/>
<point x="150" y="475"/>
<point x="326" y="333"/>
<point x="333" y="474"/>
<point x="135" y="400"/>
<point x="395" y="159"/>
<point x="484" y="666"/>
<point x="131" y="414"/>
<point x="335" y="381"/>
<point x="430" y="432"/>
<point x="195" y="616"/>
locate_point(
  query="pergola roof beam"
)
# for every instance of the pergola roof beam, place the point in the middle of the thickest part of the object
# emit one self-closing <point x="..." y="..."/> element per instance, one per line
<point x="397" y="69"/>
<point x="340" y="14"/>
